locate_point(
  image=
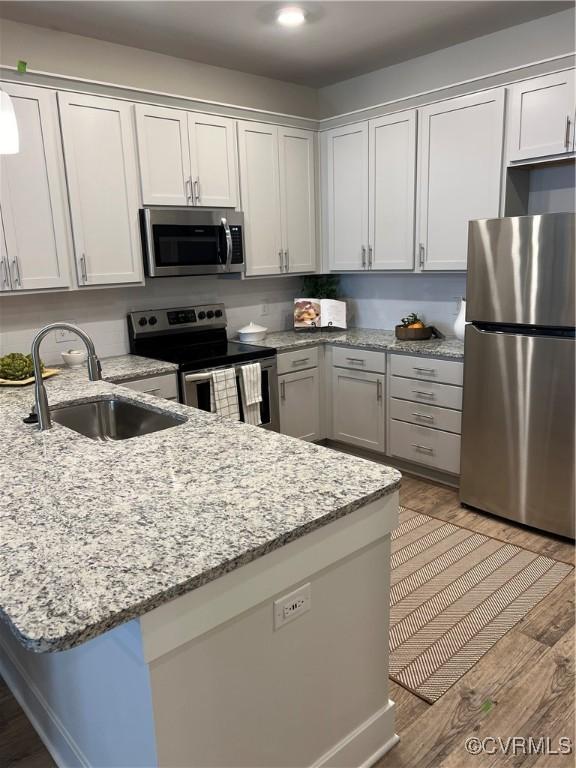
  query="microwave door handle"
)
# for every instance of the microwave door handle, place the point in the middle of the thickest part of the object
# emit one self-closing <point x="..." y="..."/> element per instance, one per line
<point x="228" y="234"/>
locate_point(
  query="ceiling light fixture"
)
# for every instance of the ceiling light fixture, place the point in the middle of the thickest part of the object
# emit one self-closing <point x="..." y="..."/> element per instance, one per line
<point x="9" y="143"/>
<point x="291" y="17"/>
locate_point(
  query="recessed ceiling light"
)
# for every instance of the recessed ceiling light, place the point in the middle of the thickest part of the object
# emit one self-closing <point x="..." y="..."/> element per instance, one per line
<point x="291" y="17"/>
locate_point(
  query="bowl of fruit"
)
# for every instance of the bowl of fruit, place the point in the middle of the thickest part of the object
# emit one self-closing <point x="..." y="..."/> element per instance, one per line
<point x="413" y="328"/>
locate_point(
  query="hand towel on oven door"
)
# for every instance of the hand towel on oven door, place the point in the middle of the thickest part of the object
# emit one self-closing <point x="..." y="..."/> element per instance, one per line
<point x="251" y="391"/>
<point x="224" y="394"/>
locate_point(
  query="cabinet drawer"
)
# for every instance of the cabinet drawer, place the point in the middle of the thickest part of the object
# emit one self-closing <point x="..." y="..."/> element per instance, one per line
<point x="444" y="395"/>
<point x="422" y="445"/>
<point x="297" y="360"/>
<point x="426" y="415"/>
<point x="427" y="369"/>
<point x="162" y="386"/>
<point x="359" y="359"/>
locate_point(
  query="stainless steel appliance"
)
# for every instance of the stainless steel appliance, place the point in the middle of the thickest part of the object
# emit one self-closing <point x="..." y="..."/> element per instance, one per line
<point x="518" y="441"/>
<point x="195" y="339"/>
<point x="184" y="241"/>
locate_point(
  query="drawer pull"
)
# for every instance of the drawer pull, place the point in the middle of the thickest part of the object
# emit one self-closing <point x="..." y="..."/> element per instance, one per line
<point x="430" y="395"/>
<point x="431" y="371"/>
<point x="283" y="390"/>
<point x="301" y="360"/>
<point x="423" y="448"/>
<point x="358" y="360"/>
<point x="378" y="390"/>
<point x="423" y="416"/>
<point x="151" y="391"/>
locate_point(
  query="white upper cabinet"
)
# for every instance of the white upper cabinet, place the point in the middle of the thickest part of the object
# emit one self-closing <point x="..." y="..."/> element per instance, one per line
<point x="260" y="193"/>
<point x="392" y="203"/>
<point x="277" y="192"/>
<point x="100" y="155"/>
<point x="213" y="158"/>
<point x="186" y="158"/>
<point x="297" y="199"/>
<point x="541" y="117"/>
<point x="164" y="155"/>
<point x="345" y="184"/>
<point x="33" y="197"/>
<point x="460" y="163"/>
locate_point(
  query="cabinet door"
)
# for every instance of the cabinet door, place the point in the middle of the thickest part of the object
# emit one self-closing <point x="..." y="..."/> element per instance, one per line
<point x="459" y="174"/>
<point x="213" y="160"/>
<point x="300" y="404"/>
<point x="345" y="176"/>
<point x="297" y="198"/>
<point x="162" y="136"/>
<point x="32" y="194"/>
<point x="542" y="116"/>
<point x="392" y="191"/>
<point x="260" y="192"/>
<point x="358" y="408"/>
<point x="100" y="154"/>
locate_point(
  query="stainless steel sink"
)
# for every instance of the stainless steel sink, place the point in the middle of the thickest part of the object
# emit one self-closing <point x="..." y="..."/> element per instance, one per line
<point x="113" y="419"/>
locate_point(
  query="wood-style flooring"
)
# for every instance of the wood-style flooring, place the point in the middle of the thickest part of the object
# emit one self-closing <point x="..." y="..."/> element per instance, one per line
<point x="524" y="686"/>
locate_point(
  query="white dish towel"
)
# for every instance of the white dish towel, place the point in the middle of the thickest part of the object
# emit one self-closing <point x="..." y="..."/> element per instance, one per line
<point x="251" y="391"/>
<point x="224" y="394"/>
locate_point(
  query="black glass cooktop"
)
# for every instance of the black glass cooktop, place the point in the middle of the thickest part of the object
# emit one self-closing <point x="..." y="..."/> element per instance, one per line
<point x="197" y="357"/>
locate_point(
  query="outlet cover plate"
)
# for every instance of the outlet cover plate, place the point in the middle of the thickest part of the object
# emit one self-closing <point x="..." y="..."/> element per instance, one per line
<point x="291" y="606"/>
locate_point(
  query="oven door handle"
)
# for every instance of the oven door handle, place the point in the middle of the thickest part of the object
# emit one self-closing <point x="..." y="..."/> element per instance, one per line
<point x="198" y="377"/>
<point x="224" y="223"/>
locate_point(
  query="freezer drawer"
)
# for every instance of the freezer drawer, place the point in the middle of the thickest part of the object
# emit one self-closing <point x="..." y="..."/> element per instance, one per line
<point x="518" y="428"/>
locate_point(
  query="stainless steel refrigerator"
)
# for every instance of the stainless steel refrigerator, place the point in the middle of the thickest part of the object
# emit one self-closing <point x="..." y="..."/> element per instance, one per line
<point x="518" y="451"/>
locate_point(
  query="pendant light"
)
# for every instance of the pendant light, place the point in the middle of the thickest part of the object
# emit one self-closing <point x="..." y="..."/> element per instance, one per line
<point x="9" y="143"/>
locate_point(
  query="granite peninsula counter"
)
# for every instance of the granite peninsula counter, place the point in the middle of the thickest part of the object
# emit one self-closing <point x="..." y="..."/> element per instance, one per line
<point x="152" y="565"/>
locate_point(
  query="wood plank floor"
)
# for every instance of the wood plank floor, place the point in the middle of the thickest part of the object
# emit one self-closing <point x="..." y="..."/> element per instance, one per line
<point x="524" y="686"/>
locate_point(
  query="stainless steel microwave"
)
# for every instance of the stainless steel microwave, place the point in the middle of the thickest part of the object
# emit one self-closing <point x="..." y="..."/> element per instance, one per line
<point x="181" y="241"/>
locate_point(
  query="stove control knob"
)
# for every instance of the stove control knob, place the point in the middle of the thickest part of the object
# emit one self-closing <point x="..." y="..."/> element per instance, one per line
<point x="153" y="320"/>
<point x="201" y="315"/>
<point x="142" y="321"/>
<point x="218" y="313"/>
<point x="209" y="314"/>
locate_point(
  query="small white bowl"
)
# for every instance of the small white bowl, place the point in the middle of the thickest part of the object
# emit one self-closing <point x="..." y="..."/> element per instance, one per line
<point x="74" y="357"/>
<point x="252" y="332"/>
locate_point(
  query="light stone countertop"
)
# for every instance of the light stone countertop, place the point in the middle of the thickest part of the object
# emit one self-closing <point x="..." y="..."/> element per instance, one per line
<point x="95" y="534"/>
<point x="364" y="338"/>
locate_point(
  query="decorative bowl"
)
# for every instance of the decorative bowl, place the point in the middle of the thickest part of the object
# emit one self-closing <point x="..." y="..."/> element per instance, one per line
<point x="413" y="334"/>
<point x="252" y="332"/>
<point x="74" y="357"/>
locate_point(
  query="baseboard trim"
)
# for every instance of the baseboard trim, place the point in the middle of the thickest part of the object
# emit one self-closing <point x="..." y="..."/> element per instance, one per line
<point x="366" y="744"/>
<point x="64" y="750"/>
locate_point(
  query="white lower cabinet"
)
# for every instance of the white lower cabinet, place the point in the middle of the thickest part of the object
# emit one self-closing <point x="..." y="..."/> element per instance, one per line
<point x="358" y="408"/>
<point x="423" y="445"/>
<point x="300" y="404"/>
<point x="165" y="385"/>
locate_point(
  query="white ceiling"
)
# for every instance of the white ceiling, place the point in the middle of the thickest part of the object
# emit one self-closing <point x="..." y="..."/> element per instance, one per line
<point x="342" y="39"/>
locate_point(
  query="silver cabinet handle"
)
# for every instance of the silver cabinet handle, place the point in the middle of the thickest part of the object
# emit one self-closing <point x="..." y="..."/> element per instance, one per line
<point x="422" y="416"/>
<point x="378" y="389"/>
<point x="363" y="251"/>
<point x="301" y="360"/>
<point x="83" y="272"/>
<point x="281" y="258"/>
<point x="431" y="371"/>
<point x="358" y="360"/>
<point x="369" y="257"/>
<point x="423" y="448"/>
<point x="283" y="390"/>
<point x="189" y="198"/>
<point x="151" y="391"/>
<point x="431" y="395"/>
<point x="567" y="134"/>
<point x="196" y="186"/>
<point x="16" y="273"/>
<point x="5" y="275"/>
<point x="422" y="254"/>
<point x="287" y="260"/>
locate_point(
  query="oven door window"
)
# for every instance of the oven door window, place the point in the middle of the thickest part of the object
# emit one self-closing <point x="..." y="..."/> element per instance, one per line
<point x="203" y="397"/>
<point x="188" y="246"/>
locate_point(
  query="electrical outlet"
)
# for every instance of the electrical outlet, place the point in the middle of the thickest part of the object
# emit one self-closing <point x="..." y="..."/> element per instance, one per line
<point x="289" y="607"/>
<point x="265" y="308"/>
<point x="65" y="337"/>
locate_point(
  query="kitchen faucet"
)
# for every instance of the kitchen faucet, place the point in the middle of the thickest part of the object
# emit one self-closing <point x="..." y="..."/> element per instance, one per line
<point x="94" y="369"/>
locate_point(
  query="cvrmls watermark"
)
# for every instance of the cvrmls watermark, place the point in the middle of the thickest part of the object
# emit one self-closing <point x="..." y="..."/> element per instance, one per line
<point x="519" y="745"/>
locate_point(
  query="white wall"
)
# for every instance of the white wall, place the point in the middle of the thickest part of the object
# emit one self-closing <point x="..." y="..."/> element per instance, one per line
<point x="102" y="313"/>
<point x="513" y="47"/>
<point x="75" y="56"/>
<point x="381" y="301"/>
